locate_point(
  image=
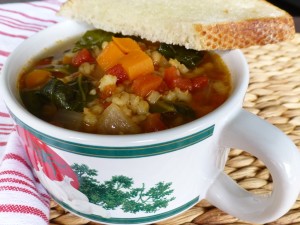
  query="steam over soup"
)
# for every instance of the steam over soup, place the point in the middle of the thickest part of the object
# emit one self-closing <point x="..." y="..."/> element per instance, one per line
<point x="112" y="84"/>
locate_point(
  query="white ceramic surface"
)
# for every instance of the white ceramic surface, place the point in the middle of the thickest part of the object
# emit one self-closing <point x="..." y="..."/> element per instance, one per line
<point x="140" y="179"/>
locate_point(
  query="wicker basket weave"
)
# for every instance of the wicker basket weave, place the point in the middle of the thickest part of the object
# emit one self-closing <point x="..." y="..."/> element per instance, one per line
<point x="274" y="95"/>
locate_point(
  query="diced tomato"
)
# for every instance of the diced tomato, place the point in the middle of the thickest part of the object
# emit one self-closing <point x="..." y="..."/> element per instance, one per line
<point x="44" y="61"/>
<point x="119" y="72"/>
<point x="154" y="123"/>
<point x="170" y="74"/>
<point x="82" y="56"/>
<point x="199" y="82"/>
<point x="105" y="104"/>
<point x="184" y="84"/>
<point x="143" y="85"/>
<point x="108" y="91"/>
<point x="173" y="79"/>
<point x="162" y="87"/>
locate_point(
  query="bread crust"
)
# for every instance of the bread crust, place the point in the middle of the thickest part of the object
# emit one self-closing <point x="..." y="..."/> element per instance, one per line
<point x="245" y="33"/>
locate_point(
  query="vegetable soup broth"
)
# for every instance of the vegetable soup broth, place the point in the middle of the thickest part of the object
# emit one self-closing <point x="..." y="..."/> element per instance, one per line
<point x="112" y="84"/>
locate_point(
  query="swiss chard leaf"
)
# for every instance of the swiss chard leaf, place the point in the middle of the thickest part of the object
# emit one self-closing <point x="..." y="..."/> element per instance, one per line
<point x="189" y="57"/>
<point x="173" y="107"/>
<point x="71" y="96"/>
<point x="91" y="38"/>
<point x="33" y="101"/>
<point x="59" y="93"/>
<point x="162" y="107"/>
<point x="185" y="110"/>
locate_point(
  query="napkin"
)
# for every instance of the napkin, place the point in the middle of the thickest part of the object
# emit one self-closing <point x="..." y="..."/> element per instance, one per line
<point x="23" y="200"/>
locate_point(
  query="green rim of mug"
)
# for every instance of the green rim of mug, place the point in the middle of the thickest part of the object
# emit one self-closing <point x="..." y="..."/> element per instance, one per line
<point x="120" y="152"/>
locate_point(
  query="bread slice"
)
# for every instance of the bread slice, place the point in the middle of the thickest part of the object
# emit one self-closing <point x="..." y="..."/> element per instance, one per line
<point x="195" y="24"/>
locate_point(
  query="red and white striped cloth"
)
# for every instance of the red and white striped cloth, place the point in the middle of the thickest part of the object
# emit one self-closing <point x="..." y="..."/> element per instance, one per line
<point x="23" y="200"/>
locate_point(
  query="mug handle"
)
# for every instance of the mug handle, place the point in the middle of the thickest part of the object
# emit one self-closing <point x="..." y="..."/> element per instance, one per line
<point x="270" y="145"/>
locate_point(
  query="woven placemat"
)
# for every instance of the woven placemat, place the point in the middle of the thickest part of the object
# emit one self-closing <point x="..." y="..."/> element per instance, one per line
<point x="274" y="95"/>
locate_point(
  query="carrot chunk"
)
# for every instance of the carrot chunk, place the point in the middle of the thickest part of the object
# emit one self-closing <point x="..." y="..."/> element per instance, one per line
<point x="143" y="85"/>
<point x="36" y="78"/>
<point x="137" y="63"/>
<point x="126" y="44"/>
<point x="110" y="56"/>
<point x="67" y="59"/>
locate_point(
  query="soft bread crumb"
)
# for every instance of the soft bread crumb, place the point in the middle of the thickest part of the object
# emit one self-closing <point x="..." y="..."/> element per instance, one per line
<point x="196" y="24"/>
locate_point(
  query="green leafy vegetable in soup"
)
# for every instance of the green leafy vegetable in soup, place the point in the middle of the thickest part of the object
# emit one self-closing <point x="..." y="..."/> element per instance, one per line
<point x="114" y="84"/>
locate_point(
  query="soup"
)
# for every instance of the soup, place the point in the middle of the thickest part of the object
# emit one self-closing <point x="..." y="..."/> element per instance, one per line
<point x="112" y="84"/>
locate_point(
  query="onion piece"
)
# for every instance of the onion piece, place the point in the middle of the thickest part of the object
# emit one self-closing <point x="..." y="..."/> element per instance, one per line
<point x="114" y="121"/>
